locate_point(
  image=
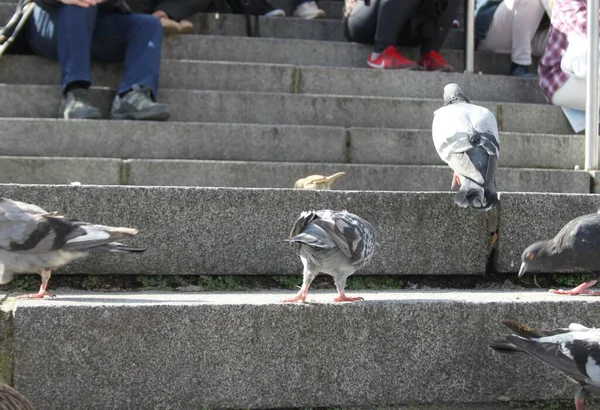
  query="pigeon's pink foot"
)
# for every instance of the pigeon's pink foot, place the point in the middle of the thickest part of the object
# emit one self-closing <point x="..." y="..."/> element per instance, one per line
<point x="455" y="181"/>
<point x="578" y="404"/>
<point x="344" y="298"/>
<point x="579" y="290"/>
<point x="298" y="298"/>
<point x="39" y="295"/>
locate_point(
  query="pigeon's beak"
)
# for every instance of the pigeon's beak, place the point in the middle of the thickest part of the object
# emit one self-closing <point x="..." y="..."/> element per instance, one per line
<point x="523" y="269"/>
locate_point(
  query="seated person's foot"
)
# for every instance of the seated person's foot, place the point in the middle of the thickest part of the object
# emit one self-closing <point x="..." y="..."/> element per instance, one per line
<point x="433" y="61"/>
<point x="390" y="58"/>
<point x="268" y="10"/>
<point x="169" y="26"/>
<point x="76" y="105"/>
<point x="309" y="10"/>
<point x="138" y="104"/>
<point x="518" y="70"/>
<point x="186" y="26"/>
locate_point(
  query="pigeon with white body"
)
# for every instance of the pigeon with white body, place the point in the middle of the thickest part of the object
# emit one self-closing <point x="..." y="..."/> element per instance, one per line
<point x="575" y="246"/>
<point x="332" y="242"/>
<point x="574" y="351"/>
<point x="466" y="137"/>
<point x="33" y="240"/>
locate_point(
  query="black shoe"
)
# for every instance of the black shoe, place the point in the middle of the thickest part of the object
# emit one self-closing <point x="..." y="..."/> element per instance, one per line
<point x="76" y="105"/>
<point x="522" y="71"/>
<point x="137" y="104"/>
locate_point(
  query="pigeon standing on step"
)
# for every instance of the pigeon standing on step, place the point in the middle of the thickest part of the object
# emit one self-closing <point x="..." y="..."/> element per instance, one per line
<point x="466" y="137"/>
<point x="318" y="181"/>
<point x="574" y="351"/>
<point x="10" y="399"/>
<point x="575" y="246"/>
<point x="332" y="242"/>
<point x="33" y="240"/>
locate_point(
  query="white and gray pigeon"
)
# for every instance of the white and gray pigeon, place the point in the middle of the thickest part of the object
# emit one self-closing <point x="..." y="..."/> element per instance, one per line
<point x="33" y="240"/>
<point x="466" y="137"/>
<point x="337" y="243"/>
<point x="574" y="351"/>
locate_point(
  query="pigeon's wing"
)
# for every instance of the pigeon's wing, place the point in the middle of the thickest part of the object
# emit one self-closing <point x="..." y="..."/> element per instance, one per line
<point x="354" y="236"/>
<point x="580" y="235"/>
<point x="314" y="236"/>
<point x="456" y="129"/>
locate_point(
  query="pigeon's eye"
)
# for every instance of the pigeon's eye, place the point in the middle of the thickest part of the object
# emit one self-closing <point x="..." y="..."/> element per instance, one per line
<point x="530" y="256"/>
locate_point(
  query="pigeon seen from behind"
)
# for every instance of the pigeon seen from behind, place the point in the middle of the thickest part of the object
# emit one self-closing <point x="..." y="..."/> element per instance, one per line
<point x="337" y="243"/>
<point x="574" y="351"/>
<point x="466" y="137"/>
<point x="575" y="246"/>
<point x="33" y="240"/>
<point x="318" y="181"/>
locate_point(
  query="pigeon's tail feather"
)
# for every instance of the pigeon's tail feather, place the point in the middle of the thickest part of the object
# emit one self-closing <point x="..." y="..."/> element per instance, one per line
<point x="476" y="196"/>
<point x="504" y="346"/>
<point x="117" y="247"/>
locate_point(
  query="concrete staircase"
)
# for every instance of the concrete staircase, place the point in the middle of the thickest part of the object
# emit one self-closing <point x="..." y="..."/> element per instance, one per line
<point x="206" y="190"/>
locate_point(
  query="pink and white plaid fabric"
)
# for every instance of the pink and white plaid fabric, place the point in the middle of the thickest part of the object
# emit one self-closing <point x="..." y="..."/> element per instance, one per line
<point x="567" y="16"/>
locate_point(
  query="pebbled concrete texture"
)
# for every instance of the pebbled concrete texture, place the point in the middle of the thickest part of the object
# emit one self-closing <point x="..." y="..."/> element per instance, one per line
<point x="219" y="231"/>
<point x="526" y="218"/>
<point x="238" y="76"/>
<point x="359" y="176"/>
<point x="246" y="350"/>
<point x="275" y="108"/>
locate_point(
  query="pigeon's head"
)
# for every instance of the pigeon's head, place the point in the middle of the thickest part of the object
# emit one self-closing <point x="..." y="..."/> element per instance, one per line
<point x="454" y="94"/>
<point x="532" y="255"/>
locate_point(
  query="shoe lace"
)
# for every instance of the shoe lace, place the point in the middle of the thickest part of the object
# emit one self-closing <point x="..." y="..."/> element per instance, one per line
<point x="140" y="97"/>
<point x="80" y="97"/>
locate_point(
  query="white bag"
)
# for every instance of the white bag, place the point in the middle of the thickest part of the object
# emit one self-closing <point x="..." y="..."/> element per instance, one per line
<point x="574" y="60"/>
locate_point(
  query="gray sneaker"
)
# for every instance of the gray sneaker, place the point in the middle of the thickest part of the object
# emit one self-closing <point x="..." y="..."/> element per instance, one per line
<point x="76" y="105"/>
<point x="138" y="105"/>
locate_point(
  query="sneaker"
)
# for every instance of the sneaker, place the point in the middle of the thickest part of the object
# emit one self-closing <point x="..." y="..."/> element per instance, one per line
<point x="275" y="13"/>
<point x="390" y="58"/>
<point x="76" y="105"/>
<point x="309" y="10"/>
<point x="433" y="61"/>
<point x="521" y="71"/>
<point x="137" y="104"/>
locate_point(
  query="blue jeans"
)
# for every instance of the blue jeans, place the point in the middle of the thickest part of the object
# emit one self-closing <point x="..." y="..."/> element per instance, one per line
<point x="76" y="35"/>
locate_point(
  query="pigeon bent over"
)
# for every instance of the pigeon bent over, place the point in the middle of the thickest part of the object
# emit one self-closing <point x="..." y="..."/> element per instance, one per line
<point x="33" y="240"/>
<point x="575" y="246"/>
<point x="574" y="351"/>
<point x="466" y="137"/>
<point x="332" y="242"/>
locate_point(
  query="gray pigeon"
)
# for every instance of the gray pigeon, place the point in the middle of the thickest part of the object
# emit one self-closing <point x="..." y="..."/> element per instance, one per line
<point x="33" y="240"/>
<point x="575" y="246"/>
<point x="332" y="242"/>
<point x="574" y="351"/>
<point x="466" y="137"/>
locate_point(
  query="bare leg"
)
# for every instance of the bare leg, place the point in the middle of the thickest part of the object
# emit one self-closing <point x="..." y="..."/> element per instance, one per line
<point x="308" y="277"/>
<point x="455" y="181"/>
<point x="579" y="290"/>
<point x="340" y="285"/>
<point x="580" y="398"/>
<point x="45" y="273"/>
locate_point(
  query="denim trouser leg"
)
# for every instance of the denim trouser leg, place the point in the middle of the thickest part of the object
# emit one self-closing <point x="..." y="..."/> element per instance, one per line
<point x="75" y="35"/>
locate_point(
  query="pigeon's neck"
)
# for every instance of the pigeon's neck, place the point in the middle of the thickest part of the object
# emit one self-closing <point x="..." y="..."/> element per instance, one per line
<point x="456" y="100"/>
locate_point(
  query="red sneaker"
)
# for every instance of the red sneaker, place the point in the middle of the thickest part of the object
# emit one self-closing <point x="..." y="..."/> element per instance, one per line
<point x="391" y="58"/>
<point x="433" y="61"/>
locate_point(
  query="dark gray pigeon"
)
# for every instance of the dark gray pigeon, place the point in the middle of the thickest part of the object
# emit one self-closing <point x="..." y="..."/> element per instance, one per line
<point x="466" y="137"/>
<point x="574" y="351"/>
<point x="33" y="240"/>
<point x="334" y="242"/>
<point x="575" y="246"/>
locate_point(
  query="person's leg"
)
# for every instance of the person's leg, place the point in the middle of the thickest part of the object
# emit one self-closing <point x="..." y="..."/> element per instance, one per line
<point x="362" y="26"/>
<point x="136" y="39"/>
<point x="538" y="44"/>
<point x="65" y="34"/>
<point x="430" y="59"/>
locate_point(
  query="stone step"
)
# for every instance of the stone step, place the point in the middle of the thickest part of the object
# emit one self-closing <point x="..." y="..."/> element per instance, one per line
<point x="228" y="231"/>
<point x="246" y="350"/>
<point x="255" y="142"/>
<point x="245" y="174"/>
<point x="211" y="75"/>
<point x="293" y="109"/>
<point x="307" y="52"/>
<point x="289" y="27"/>
<point x="359" y="177"/>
